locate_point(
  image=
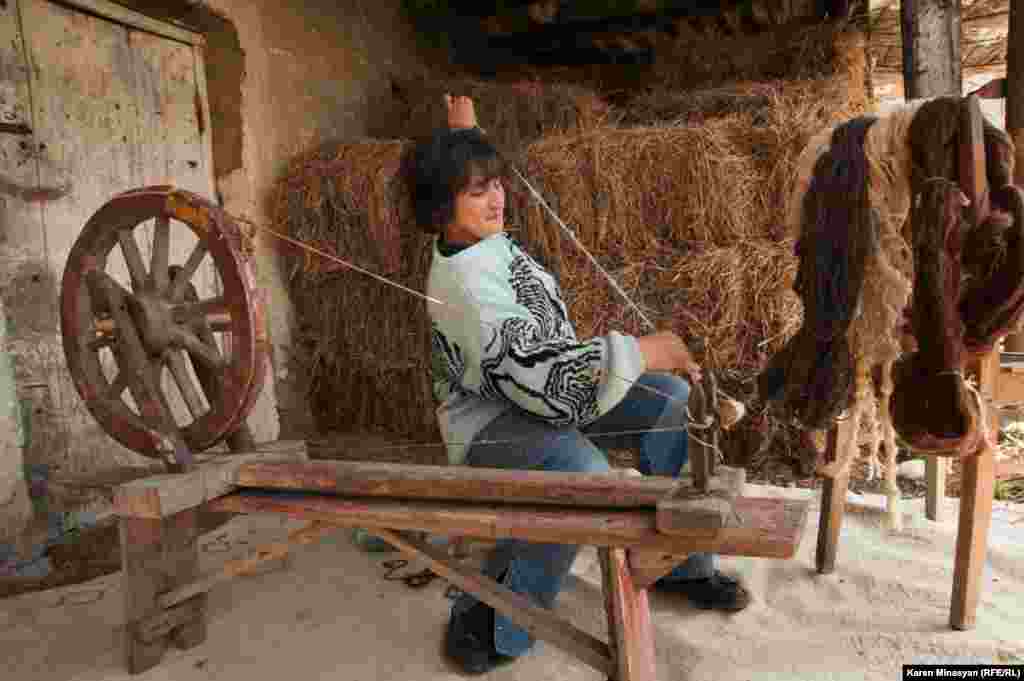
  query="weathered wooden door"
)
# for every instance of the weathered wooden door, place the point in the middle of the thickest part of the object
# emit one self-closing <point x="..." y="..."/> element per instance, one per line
<point x="90" y="107"/>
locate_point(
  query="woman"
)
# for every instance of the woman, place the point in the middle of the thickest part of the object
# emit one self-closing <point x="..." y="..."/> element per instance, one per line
<point x="508" y="367"/>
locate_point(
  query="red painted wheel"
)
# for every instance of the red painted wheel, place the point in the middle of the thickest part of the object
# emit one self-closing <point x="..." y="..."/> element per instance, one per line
<point x="152" y="333"/>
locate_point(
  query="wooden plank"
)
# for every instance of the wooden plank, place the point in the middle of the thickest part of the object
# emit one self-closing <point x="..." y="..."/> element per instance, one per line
<point x="163" y="622"/>
<point x="930" y="36"/>
<point x="160" y="496"/>
<point x="123" y="15"/>
<point x="458" y="483"/>
<point x="83" y="109"/>
<point x="977" y="490"/>
<point x="774" y="526"/>
<point x="629" y="619"/>
<point x="538" y="622"/>
<point x="973" y="176"/>
<point x="247" y="565"/>
<point x="688" y="508"/>
<point x="833" y="504"/>
<point x="159" y="555"/>
<point x="647" y="567"/>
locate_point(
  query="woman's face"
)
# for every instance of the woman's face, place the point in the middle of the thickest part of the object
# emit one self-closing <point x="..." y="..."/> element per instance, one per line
<point x="479" y="211"/>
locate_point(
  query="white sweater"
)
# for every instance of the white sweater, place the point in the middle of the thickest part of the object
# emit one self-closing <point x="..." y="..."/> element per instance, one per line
<point x="502" y="340"/>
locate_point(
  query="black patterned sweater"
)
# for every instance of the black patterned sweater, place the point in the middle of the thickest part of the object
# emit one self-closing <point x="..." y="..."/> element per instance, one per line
<point x="502" y="340"/>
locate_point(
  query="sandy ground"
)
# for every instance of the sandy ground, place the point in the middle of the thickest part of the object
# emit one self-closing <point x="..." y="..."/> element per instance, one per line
<point x="331" y="615"/>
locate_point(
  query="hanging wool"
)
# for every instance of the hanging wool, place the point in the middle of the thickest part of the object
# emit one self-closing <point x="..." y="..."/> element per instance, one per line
<point x="813" y="373"/>
<point x="994" y="305"/>
<point x="931" y="408"/>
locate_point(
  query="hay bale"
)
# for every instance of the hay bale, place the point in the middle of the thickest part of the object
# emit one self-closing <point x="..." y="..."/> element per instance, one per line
<point x="678" y="247"/>
<point x="628" y="188"/>
<point x="365" y="344"/>
<point x="346" y="198"/>
<point x="770" y="121"/>
<point x="794" y="52"/>
<point x="514" y="114"/>
<point x="733" y="304"/>
<point x="693" y="107"/>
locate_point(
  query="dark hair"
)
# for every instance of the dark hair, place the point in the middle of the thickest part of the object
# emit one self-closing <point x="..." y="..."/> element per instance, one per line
<point x="442" y="166"/>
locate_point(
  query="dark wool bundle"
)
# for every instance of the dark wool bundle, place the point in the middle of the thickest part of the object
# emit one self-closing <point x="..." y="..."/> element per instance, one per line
<point x="840" y="232"/>
<point x="994" y="307"/>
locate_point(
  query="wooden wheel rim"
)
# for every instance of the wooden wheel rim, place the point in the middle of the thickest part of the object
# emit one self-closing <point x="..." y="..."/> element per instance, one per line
<point x="242" y="376"/>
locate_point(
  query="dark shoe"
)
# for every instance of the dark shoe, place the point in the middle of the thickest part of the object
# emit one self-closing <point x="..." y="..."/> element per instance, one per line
<point x="717" y="592"/>
<point x="470" y="641"/>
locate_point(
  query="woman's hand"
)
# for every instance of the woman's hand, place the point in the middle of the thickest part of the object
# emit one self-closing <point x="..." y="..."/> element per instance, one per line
<point x="666" y="351"/>
<point x="461" y="113"/>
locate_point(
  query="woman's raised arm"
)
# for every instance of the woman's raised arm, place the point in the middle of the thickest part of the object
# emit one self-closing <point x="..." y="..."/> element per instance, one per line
<point x="461" y="113"/>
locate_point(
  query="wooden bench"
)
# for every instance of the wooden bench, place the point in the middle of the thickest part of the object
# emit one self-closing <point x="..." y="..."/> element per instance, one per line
<point x="641" y="526"/>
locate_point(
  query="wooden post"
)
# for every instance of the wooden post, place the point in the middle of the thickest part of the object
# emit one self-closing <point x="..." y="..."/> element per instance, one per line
<point x="158" y="555"/>
<point x="1014" y="93"/>
<point x="1015" y="85"/>
<point x="931" y="48"/>
<point x="629" y="619"/>
<point x="935" y="469"/>
<point x="833" y="503"/>
<point x="976" y="491"/>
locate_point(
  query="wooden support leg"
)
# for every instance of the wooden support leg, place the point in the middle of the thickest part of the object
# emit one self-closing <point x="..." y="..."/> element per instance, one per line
<point x="159" y="555"/>
<point x="977" y="491"/>
<point x="935" y="476"/>
<point x="629" y="619"/>
<point x="833" y="503"/>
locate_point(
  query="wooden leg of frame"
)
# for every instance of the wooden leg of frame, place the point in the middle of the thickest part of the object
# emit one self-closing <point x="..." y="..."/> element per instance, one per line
<point x="977" y="491"/>
<point x="629" y="619"/>
<point x="158" y="555"/>
<point x="935" y="474"/>
<point x="833" y="504"/>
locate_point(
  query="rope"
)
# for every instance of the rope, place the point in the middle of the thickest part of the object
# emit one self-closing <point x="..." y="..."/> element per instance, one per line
<point x="423" y="296"/>
<point x="579" y="244"/>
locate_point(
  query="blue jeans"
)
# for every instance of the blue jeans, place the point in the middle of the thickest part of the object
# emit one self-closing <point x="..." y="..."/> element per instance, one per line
<point x="538" y="570"/>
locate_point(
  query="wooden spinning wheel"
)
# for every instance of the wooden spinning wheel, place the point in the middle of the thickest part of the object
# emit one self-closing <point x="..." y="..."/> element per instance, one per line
<point x="160" y="323"/>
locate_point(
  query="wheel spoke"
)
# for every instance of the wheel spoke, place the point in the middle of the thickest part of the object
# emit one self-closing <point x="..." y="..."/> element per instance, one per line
<point x="188" y="271"/>
<point x="156" y="367"/>
<point x="178" y="365"/>
<point x="161" y="253"/>
<point x="209" y="355"/>
<point x="132" y="258"/>
<point x="117" y="386"/>
<point x="212" y="312"/>
<point x="135" y="365"/>
<point x="103" y="340"/>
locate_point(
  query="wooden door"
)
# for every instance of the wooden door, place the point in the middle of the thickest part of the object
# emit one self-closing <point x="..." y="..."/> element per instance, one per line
<point x="108" y="106"/>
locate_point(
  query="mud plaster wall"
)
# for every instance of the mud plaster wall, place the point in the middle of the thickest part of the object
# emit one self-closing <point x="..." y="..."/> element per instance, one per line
<point x="282" y="77"/>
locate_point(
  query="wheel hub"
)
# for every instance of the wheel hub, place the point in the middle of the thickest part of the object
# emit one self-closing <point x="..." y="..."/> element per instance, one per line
<point x="154" y="320"/>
